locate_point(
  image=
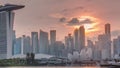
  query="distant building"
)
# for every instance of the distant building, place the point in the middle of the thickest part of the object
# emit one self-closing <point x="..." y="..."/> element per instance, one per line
<point x="58" y="49"/>
<point x="116" y="46"/>
<point x="108" y="41"/>
<point x="81" y="37"/>
<point x="92" y="46"/>
<point x="35" y="45"/>
<point x="69" y="43"/>
<point x="18" y="46"/>
<point x="97" y="51"/>
<point x="52" y="36"/>
<point x="43" y="42"/>
<point x="52" y="41"/>
<point x="14" y="42"/>
<point x="25" y="44"/>
<point x="76" y="40"/>
<point x="107" y="29"/>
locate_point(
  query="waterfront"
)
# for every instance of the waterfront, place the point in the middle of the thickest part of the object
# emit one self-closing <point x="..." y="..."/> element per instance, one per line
<point x="57" y="67"/>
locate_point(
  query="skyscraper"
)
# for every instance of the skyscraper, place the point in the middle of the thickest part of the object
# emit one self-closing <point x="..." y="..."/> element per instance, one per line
<point x="25" y="44"/>
<point x="35" y="45"/>
<point x="116" y="46"/>
<point x="52" y="41"/>
<point x="18" y="46"/>
<point x="105" y="43"/>
<point x="81" y="37"/>
<point x="76" y="40"/>
<point x="52" y="36"/>
<point x="6" y="29"/>
<point x="69" y="43"/>
<point x="108" y="39"/>
<point x="107" y="29"/>
<point x="43" y="42"/>
<point x="58" y="49"/>
<point x="14" y="42"/>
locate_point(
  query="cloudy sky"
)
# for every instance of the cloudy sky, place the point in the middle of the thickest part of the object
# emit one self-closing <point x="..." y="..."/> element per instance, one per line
<point x="65" y="15"/>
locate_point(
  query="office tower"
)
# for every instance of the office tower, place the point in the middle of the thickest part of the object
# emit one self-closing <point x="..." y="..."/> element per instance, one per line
<point x="91" y="45"/>
<point x="104" y="46"/>
<point x="14" y="42"/>
<point x="81" y="37"/>
<point x="76" y="40"/>
<point x="26" y="48"/>
<point x="58" y="49"/>
<point x="116" y="46"/>
<point x="97" y="51"/>
<point x="25" y="44"/>
<point x="108" y="39"/>
<point x="43" y="42"/>
<point x="52" y="41"/>
<point x="35" y="45"/>
<point x="18" y="46"/>
<point x="107" y="29"/>
<point x="6" y="29"/>
<point x="69" y="43"/>
<point x="52" y="36"/>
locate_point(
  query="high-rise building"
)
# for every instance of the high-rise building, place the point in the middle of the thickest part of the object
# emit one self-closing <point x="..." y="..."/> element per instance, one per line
<point x="81" y="37"/>
<point x="58" y="49"/>
<point x="116" y="46"/>
<point x="52" y="36"/>
<point x="14" y="42"/>
<point x="6" y="29"/>
<point x="91" y="45"/>
<point x="25" y="44"/>
<point x="69" y="43"/>
<point x="97" y="51"/>
<point x="43" y="42"/>
<point x="76" y="40"/>
<point x="35" y="45"/>
<point x="18" y="46"/>
<point x="107" y="29"/>
<point x="52" y="41"/>
<point x="108" y="39"/>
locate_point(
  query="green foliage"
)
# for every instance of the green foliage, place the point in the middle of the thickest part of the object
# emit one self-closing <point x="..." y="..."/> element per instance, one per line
<point x="13" y="62"/>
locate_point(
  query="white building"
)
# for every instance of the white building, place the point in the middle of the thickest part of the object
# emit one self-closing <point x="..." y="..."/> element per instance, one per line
<point x="43" y="42"/>
<point x="34" y="40"/>
<point x="6" y="34"/>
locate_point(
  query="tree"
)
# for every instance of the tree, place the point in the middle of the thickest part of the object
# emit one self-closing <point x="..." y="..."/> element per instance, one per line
<point x="32" y="57"/>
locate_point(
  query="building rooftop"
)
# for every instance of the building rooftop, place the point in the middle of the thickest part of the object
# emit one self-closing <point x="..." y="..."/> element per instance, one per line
<point x="10" y="7"/>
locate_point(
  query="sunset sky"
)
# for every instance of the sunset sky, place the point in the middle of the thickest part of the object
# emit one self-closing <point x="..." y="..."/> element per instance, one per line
<point x="66" y="15"/>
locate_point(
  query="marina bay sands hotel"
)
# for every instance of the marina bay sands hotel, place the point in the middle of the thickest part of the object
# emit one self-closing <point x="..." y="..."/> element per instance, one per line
<point x="6" y="29"/>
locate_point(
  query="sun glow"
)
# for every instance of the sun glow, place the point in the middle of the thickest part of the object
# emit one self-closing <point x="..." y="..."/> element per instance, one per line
<point x="90" y="27"/>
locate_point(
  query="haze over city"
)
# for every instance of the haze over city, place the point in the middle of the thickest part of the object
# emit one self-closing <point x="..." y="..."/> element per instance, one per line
<point x="66" y="15"/>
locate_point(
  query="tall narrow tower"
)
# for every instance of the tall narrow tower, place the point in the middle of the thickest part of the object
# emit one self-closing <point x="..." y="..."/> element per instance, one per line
<point x="35" y="46"/>
<point x="52" y="36"/>
<point x="81" y="37"/>
<point x="108" y="39"/>
<point x="107" y="28"/>
<point x="76" y="40"/>
<point x="6" y="29"/>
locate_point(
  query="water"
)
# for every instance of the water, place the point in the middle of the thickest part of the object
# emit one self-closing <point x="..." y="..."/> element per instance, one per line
<point x="52" y="67"/>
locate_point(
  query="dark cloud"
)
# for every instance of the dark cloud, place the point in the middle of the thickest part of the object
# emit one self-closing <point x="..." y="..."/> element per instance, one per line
<point x="75" y="21"/>
<point x="115" y="33"/>
<point x="63" y="19"/>
<point x="72" y="9"/>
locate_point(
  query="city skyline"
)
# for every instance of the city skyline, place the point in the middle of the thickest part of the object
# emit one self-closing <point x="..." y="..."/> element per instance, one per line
<point x="61" y="19"/>
<point x="39" y="43"/>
